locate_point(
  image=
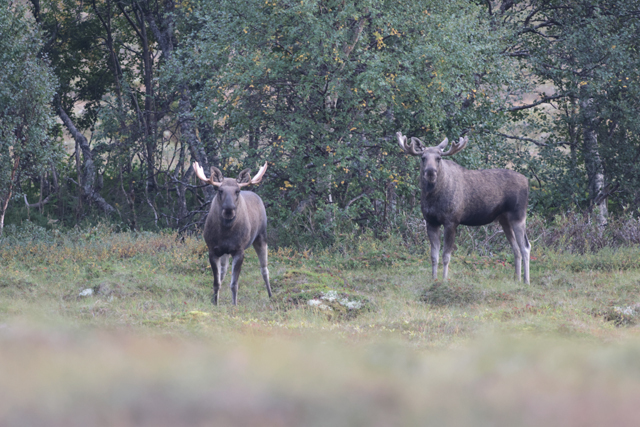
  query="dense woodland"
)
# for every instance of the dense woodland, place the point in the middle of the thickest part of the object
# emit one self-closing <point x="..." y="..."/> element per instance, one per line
<point x="105" y="105"/>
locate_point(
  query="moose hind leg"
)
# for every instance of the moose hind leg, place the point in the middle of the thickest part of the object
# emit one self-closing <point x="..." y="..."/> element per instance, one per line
<point x="236" y="267"/>
<point x="511" y="237"/>
<point x="215" y="269"/>
<point x="525" y="247"/>
<point x="260" y="245"/>
<point x="449" y="239"/>
<point x="434" y="238"/>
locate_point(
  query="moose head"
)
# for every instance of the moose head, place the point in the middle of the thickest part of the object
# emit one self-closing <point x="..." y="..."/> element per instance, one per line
<point x="431" y="157"/>
<point x="229" y="188"/>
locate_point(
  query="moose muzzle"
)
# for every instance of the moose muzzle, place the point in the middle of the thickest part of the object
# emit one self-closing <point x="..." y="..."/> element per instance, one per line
<point x="431" y="175"/>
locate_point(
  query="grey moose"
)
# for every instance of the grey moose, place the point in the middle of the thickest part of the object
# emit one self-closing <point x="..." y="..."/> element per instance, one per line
<point x="236" y="220"/>
<point x="453" y="195"/>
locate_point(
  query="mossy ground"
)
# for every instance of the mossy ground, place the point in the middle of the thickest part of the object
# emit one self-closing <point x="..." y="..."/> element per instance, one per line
<point x="326" y="292"/>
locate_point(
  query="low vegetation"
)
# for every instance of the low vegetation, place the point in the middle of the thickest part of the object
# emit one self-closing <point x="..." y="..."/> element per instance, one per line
<point x="355" y="334"/>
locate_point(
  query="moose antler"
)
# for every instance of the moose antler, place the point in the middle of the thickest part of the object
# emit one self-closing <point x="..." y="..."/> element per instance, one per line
<point x="455" y="147"/>
<point x="257" y="178"/>
<point x="415" y="148"/>
<point x="200" y="174"/>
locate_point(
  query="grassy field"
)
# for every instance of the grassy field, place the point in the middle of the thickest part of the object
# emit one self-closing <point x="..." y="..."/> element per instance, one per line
<point x="355" y="335"/>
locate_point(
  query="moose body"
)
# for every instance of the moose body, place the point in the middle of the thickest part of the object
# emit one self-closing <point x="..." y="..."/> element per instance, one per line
<point x="453" y="195"/>
<point x="236" y="220"/>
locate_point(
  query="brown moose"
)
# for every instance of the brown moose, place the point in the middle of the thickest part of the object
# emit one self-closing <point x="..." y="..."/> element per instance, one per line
<point x="453" y="195"/>
<point x="236" y="220"/>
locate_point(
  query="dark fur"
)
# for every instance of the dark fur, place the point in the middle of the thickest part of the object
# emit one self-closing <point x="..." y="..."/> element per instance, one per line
<point x="237" y="219"/>
<point x="453" y="195"/>
<point x="473" y="197"/>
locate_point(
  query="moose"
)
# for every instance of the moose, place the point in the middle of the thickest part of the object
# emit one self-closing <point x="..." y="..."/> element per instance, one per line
<point x="236" y="220"/>
<point x="453" y="195"/>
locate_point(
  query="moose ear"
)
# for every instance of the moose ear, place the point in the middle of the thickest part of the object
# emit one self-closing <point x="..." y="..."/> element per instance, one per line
<point x="443" y="144"/>
<point x="244" y="177"/>
<point x="216" y="175"/>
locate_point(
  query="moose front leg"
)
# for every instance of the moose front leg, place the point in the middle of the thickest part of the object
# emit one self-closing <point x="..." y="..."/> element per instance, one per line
<point x="215" y="269"/>
<point x="238" y="258"/>
<point x="224" y="266"/>
<point x="449" y="239"/>
<point x="433" y="231"/>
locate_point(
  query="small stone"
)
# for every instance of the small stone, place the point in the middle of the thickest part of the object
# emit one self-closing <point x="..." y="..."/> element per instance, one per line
<point x="86" y="293"/>
<point x="319" y="304"/>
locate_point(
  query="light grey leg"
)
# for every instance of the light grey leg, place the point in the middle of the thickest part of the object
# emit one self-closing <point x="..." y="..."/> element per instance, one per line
<point x="224" y="264"/>
<point x="215" y="269"/>
<point x="517" y="255"/>
<point x="235" y="274"/>
<point x="449" y="239"/>
<point x="434" y="238"/>
<point x="520" y="231"/>
<point x="260" y="245"/>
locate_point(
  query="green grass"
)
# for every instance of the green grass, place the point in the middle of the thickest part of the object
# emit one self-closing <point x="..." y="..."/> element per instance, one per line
<point x="148" y="348"/>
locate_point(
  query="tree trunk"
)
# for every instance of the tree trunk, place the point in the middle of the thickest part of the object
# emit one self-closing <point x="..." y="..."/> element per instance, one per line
<point x="189" y="136"/>
<point x="592" y="159"/>
<point x="148" y="117"/>
<point x="162" y="26"/>
<point x="88" y="167"/>
<point x="5" y="203"/>
<point x="149" y="104"/>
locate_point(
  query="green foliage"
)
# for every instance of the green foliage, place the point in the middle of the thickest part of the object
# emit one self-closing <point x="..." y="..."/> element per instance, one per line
<point x="588" y="51"/>
<point x="319" y="89"/>
<point x="27" y="85"/>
